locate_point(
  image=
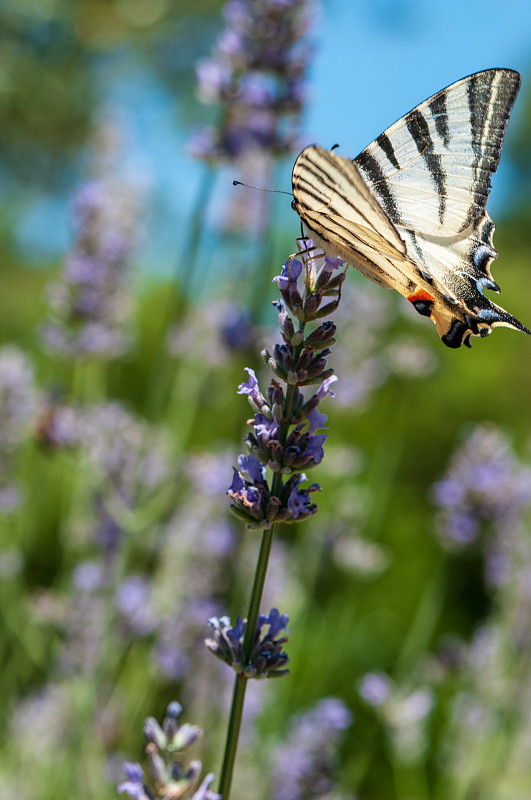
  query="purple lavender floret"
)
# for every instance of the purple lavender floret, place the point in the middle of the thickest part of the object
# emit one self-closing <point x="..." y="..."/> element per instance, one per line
<point x="325" y="389"/>
<point x="316" y="421"/>
<point x="331" y="264"/>
<point x="246" y="496"/>
<point x="204" y="793"/>
<point x="252" y="389"/>
<point x="235" y="634"/>
<point x="253" y="468"/>
<point x="276" y="621"/>
<point x="299" y="502"/>
<point x="134" y="786"/>
<point x="314" y="449"/>
<point x="291" y="271"/>
<point x="265" y="429"/>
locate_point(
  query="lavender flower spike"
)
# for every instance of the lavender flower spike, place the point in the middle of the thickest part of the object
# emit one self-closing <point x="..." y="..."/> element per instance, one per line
<point x="256" y="75"/>
<point x="283" y="442"/>
<point x="18" y="401"/>
<point x="172" y="774"/>
<point x="90" y="307"/>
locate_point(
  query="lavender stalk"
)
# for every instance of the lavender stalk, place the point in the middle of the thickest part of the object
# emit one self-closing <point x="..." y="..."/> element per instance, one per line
<point x="172" y="774"/>
<point x="285" y="441"/>
<point x="90" y="307"/>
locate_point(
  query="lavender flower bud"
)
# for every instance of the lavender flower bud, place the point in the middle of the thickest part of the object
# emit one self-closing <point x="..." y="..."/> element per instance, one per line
<point x="311" y="306"/>
<point x="154" y="733"/>
<point x="157" y="766"/>
<point x="327" y="309"/>
<point x="321" y="337"/>
<point x="170" y="725"/>
<point x="187" y="735"/>
<point x="193" y="771"/>
<point x="322" y="376"/>
<point x="293" y="378"/>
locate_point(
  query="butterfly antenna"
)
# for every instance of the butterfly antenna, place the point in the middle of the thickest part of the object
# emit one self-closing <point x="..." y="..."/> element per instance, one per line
<point x="334" y="146"/>
<point x="260" y="188"/>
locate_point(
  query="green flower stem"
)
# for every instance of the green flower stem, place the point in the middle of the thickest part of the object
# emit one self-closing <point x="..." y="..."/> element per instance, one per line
<point x="240" y="682"/>
<point x="233" y="733"/>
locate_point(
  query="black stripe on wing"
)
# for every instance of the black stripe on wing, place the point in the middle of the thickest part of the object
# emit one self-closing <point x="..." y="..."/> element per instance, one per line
<point x="478" y="94"/>
<point x="439" y="112"/>
<point x="387" y="146"/>
<point x="372" y="168"/>
<point x="491" y="95"/>
<point x="420" y="133"/>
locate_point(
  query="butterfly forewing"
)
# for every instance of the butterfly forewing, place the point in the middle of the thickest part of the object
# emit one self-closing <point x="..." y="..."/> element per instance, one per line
<point x="409" y="211"/>
<point x="439" y="156"/>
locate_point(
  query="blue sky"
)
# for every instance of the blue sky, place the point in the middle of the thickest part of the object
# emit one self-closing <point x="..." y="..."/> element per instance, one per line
<point x="377" y="59"/>
<point x="374" y="61"/>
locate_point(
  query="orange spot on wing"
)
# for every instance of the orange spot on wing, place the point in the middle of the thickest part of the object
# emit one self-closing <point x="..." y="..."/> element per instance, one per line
<point x="421" y="295"/>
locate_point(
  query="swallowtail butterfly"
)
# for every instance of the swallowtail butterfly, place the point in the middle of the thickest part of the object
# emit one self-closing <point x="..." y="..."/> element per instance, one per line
<point x="409" y="211"/>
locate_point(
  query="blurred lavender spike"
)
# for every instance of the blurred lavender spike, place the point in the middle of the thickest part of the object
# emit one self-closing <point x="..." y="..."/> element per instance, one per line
<point x="90" y="306"/>
<point x="172" y="773"/>
<point x="257" y="74"/>
<point x="18" y="400"/>
<point x="305" y="765"/>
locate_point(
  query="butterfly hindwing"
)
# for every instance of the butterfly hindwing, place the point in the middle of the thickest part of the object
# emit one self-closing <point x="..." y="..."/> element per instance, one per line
<point x="409" y="211"/>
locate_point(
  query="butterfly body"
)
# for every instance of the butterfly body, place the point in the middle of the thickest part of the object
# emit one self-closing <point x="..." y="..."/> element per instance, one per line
<point x="409" y="211"/>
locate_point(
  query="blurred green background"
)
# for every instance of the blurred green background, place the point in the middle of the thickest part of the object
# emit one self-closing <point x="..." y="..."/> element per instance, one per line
<point x="115" y="543"/>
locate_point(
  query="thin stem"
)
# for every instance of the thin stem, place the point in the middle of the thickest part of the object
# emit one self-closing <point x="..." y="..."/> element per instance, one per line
<point x="240" y="683"/>
<point x="257" y="592"/>
<point x="233" y="733"/>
